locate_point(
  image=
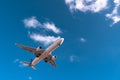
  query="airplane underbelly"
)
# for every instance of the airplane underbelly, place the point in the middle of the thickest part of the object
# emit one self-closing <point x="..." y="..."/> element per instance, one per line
<point x="37" y="59"/>
<point x="47" y="52"/>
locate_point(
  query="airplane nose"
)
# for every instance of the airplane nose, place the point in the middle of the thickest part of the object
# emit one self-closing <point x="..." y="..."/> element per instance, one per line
<point x="62" y="39"/>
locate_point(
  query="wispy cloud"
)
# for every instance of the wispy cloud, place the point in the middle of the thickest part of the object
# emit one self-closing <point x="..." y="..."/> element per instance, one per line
<point x="82" y="40"/>
<point x="52" y="27"/>
<point x="31" y="22"/>
<point x="115" y="15"/>
<point x="96" y="6"/>
<point x="29" y="78"/>
<point x="74" y="58"/>
<point x="19" y="63"/>
<point x="16" y="60"/>
<point x="34" y="23"/>
<point x="87" y="5"/>
<point x="46" y="40"/>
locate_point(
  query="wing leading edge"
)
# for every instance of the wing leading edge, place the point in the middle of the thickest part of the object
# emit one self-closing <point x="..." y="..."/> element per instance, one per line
<point x="26" y="48"/>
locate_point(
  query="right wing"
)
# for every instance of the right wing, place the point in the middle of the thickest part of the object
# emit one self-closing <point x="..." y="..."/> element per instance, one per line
<point x="52" y="62"/>
<point x="26" y="48"/>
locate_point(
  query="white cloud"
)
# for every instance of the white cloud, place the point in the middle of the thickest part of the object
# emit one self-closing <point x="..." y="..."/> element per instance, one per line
<point x="29" y="78"/>
<point x="46" y="40"/>
<point x="19" y="63"/>
<point x="16" y="60"/>
<point x="52" y="27"/>
<point x="82" y="39"/>
<point x="96" y="6"/>
<point x="31" y="22"/>
<point x="117" y="2"/>
<point x="34" y="23"/>
<point x="69" y="1"/>
<point x="87" y="5"/>
<point x="74" y="58"/>
<point x="115" y="15"/>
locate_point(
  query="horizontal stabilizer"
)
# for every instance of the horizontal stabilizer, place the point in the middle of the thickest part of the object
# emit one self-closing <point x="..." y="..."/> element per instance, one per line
<point x="29" y="64"/>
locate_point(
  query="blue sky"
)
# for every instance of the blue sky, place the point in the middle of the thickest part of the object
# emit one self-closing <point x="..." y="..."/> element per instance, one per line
<point x="90" y="51"/>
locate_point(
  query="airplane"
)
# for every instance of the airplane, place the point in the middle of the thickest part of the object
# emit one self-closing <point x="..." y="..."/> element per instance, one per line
<point x="41" y="54"/>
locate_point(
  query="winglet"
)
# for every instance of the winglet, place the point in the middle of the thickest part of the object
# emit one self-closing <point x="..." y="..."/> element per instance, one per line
<point x="18" y="45"/>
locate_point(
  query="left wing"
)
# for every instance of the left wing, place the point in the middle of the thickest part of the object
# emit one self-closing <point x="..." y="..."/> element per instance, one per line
<point x="26" y="48"/>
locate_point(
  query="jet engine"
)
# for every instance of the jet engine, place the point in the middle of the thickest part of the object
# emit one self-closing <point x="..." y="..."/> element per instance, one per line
<point x="49" y="58"/>
<point x="53" y="57"/>
<point x="38" y="48"/>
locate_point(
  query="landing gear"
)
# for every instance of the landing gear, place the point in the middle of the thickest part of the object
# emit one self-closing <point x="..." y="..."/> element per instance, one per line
<point x="31" y="60"/>
<point x="46" y="61"/>
<point x="40" y="47"/>
<point x="55" y="56"/>
<point x="38" y="55"/>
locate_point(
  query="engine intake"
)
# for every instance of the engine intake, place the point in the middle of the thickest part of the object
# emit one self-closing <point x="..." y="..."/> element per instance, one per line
<point x="54" y="57"/>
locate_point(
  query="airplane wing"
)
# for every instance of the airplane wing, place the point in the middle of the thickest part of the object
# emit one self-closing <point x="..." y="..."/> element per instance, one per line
<point x="26" y="48"/>
<point x="52" y="63"/>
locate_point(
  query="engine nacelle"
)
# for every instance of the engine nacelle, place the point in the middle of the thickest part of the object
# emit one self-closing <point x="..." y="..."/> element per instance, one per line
<point x="39" y="48"/>
<point x="53" y="57"/>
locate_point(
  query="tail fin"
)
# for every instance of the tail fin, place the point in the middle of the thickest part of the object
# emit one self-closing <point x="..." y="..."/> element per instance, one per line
<point x="29" y="64"/>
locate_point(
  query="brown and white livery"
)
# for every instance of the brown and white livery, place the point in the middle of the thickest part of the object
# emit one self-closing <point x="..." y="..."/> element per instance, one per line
<point x="42" y="54"/>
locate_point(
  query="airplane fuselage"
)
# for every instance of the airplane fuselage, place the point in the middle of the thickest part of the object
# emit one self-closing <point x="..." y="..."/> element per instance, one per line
<point x="42" y="54"/>
<point x="48" y="51"/>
